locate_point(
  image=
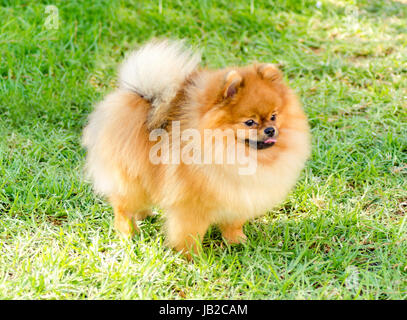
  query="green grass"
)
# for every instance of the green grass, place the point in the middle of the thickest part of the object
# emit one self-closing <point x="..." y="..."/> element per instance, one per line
<point x="342" y="232"/>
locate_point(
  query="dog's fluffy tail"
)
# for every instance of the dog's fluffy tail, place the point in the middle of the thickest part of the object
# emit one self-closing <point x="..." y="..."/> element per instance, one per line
<point x="156" y="72"/>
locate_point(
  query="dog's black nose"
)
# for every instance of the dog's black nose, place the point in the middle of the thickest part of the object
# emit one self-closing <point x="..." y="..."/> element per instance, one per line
<point x="270" y="131"/>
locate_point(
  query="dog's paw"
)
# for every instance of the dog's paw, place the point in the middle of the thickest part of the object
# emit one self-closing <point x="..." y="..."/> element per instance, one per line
<point x="234" y="237"/>
<point x="127" y="228"/>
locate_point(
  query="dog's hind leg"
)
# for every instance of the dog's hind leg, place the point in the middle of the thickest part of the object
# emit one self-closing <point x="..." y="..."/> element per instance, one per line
<point x="233" y="232"/>
<point x="128" y="209"/>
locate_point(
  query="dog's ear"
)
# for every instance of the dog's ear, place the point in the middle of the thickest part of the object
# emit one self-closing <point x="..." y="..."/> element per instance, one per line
<point x="269" y="72"/>
<point x="233" y="80"/>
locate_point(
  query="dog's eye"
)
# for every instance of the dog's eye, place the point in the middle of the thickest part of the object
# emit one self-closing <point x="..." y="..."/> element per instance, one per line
<point x="249" y="123"/>
<point x="273" y="117"/>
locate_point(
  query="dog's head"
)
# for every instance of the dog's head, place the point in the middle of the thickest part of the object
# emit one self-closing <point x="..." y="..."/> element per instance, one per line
<point x="253" y="98"/>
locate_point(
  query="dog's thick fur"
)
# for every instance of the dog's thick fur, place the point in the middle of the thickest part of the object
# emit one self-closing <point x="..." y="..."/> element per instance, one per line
<point x="161" y="83"/>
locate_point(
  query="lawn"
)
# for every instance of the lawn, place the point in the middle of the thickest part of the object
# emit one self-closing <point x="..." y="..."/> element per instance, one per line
<point x="341" y="233"/>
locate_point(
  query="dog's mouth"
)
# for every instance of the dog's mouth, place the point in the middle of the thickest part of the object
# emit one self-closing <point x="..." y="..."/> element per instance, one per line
<point x="269" y="142"/>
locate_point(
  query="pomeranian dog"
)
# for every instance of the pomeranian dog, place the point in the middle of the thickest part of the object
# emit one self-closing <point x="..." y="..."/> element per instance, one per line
<point x="136" y="135"/>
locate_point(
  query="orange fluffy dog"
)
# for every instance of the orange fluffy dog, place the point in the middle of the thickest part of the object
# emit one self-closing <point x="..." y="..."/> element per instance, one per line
<point x="163" y="92"/>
